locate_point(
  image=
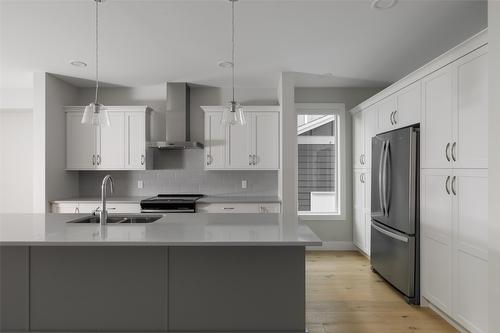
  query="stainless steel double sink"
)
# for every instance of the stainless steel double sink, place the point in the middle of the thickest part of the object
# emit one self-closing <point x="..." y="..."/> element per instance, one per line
<point x="119" y="219"/>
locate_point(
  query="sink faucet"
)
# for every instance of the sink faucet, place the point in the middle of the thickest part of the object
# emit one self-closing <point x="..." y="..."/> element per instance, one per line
<point x="103" y="214"/>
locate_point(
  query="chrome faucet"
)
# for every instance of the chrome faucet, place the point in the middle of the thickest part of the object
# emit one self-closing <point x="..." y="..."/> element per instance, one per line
<point x="103" y="214"/>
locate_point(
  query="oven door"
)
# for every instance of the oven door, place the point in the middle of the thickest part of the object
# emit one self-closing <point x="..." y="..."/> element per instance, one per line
<point x="393" y="257"/>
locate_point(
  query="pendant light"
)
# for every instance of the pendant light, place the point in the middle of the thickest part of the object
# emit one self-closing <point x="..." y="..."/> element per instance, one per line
<point x="233" y="114"/>
<point x="95" y="113"/>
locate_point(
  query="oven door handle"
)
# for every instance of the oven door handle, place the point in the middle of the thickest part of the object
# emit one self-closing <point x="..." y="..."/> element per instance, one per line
<point x="160" y="211"/>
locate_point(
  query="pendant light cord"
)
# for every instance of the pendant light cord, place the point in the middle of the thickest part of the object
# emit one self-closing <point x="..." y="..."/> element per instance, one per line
<point x="96" y="50"/>
<point x="232" y="26"/>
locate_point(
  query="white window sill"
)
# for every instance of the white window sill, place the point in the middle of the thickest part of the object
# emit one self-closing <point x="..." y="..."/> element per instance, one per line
<point x="306" y="216"/>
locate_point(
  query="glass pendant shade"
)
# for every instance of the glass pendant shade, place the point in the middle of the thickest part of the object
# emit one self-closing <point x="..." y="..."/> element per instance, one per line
<point x="233" y="115"/>
<point x="95" y="114"/>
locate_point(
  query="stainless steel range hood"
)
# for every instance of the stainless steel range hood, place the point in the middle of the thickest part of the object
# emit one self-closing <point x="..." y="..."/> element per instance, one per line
<point x="178" y="118"/>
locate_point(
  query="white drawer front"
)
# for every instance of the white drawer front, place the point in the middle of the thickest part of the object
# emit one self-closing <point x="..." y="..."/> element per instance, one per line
<point x="238" y="208"/>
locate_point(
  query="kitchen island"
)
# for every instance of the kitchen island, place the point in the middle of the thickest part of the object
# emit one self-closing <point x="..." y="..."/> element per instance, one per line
<point x="184" y="272"/>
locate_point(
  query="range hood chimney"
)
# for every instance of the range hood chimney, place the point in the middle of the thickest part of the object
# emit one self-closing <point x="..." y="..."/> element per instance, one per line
<point x="178" y="119"/>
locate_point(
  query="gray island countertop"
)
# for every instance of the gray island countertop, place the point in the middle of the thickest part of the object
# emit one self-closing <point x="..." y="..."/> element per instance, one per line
<point x="171" y="230"/>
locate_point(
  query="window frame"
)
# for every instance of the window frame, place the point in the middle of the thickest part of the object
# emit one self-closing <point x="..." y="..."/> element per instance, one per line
<point x="337" y="109"/>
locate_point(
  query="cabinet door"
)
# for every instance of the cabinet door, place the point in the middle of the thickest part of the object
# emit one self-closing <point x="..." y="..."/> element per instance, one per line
<point x="436" y="131"/>
<point x="436" y="230"/>
<point x="386" y="110"/>
<point x="471" y="121"/>
<point x="266" y="140"/>
<point x="471" y="249"/>
<point x="408" y="105"/>
<point x="358" y="140"/>
<point x="370" y="131"/>
<point x="80" y="143"/>
<point x="359" y="224"/>
<point x="111" y="146"/>
<point x="368" y="216"/>
<point x="135" y="140"/>
<point x="215" y="141"/>
<point x="241" y="144"/>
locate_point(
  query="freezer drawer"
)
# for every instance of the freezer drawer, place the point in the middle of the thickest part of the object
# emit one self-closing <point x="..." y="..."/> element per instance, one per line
<point x="393" y="257"/>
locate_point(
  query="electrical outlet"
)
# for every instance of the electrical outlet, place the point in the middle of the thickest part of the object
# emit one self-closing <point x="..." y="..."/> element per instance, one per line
<point x="140" y="184"/>
<point x="243" y="184"/>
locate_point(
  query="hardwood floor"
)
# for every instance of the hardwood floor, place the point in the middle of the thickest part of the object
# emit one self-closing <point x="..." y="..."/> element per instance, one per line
<point x="343" y="295"/>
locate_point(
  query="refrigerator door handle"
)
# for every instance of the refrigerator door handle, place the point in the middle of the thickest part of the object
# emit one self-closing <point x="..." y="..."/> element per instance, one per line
<point x="380" y="191"/>
<point x="385" y="178"/>
<point x="390" y="234"/>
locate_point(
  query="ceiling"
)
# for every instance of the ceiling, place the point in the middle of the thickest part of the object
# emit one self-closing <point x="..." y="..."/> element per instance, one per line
<point x="149" y="42"/>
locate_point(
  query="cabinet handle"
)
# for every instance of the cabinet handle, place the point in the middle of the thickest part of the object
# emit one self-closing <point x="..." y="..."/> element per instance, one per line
<point x="77" y="210"/>
<point x="447" y="152"/>
<point x="361" y="159"/>
<point x="392" y="121"/>
<point x="142" y="159"/>
<point x="447" y="185"/>
<point x="98" y="159"/>
<point x="362" y="178"/>
<point x="228" y="208"/>
<point x="208" y="159"/>
<point x="93" y="159"/>
<point x="254" y="159"/>
<point x="395" y="119"/>
<point x="250" y="159"/>
<point x="453" y="149"/>
<point x="453" y="185"/>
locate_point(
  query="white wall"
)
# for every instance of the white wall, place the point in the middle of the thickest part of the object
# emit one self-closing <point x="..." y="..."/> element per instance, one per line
<point x="50" y="179"/>
<point x="16" y="160"/>
<point x="494" y="164"/>
<point x="339" y="232"/>
<point x="16" y="98"/>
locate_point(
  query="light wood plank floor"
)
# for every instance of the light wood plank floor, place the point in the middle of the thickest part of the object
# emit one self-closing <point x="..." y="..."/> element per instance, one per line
<point x="343" y="295"/>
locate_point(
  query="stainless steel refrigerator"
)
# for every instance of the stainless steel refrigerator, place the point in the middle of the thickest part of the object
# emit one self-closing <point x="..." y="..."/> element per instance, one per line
<point x="395" y="210"/>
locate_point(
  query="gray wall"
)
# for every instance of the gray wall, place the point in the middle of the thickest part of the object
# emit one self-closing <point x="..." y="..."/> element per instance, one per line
<point x="337" y="230"/>
<point x="50" y="179"/>
<point x="180" y="171"/>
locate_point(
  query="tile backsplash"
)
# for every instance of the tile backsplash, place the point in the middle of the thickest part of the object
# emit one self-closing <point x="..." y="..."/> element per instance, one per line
<point x="180" y="172"/>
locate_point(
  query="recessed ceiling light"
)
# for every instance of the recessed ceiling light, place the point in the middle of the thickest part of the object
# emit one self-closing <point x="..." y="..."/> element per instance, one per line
<point x="383" y="4"/>
<point x="225" y="64"/>
<point x="78" y="63"/>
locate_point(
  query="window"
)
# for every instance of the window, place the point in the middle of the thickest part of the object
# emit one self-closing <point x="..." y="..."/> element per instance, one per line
<point x="320" y="190"/>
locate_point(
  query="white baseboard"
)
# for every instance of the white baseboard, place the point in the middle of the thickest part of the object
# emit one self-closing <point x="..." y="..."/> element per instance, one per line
<point x="443" y="315"/>
<point x="333" y="246"/>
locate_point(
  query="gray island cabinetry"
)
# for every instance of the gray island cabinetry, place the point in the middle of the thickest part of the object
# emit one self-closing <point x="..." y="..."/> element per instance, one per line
<point x="201" y="274"/>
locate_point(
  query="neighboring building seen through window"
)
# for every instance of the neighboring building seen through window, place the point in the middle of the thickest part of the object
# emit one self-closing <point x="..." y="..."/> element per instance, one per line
<point x="318" y="161"/>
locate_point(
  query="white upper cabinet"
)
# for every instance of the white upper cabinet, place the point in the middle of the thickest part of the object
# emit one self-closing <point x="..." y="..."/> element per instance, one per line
<point x="110" y="149"/>
<point x="254" y="145"/>
<point x="436" y="131"/>
<point x="370" y="131"/>
<point x="400" y="109"/>
<point x="471" y="120"/>
<point x="121" y="146"/>
<point x="358" y="141"/>
<point x="80" y="143"/>
<point x="215" y="141"/>
<point x="242" y="144"/>
<point x="135" y="136"/>
<point x="455" y="121"/>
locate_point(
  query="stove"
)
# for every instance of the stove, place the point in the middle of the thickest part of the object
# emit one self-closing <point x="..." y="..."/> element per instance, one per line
<point x="170" y="203"/>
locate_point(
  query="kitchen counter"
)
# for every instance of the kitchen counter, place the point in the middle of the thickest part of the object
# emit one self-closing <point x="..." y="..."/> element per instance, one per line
<point x="182" y="273"/>
<point x="178" y="229"/>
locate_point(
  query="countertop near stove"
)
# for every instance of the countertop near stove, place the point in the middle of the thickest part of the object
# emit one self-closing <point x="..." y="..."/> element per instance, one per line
<point x="176" y="229"/>
<point x="205" y="200"/>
